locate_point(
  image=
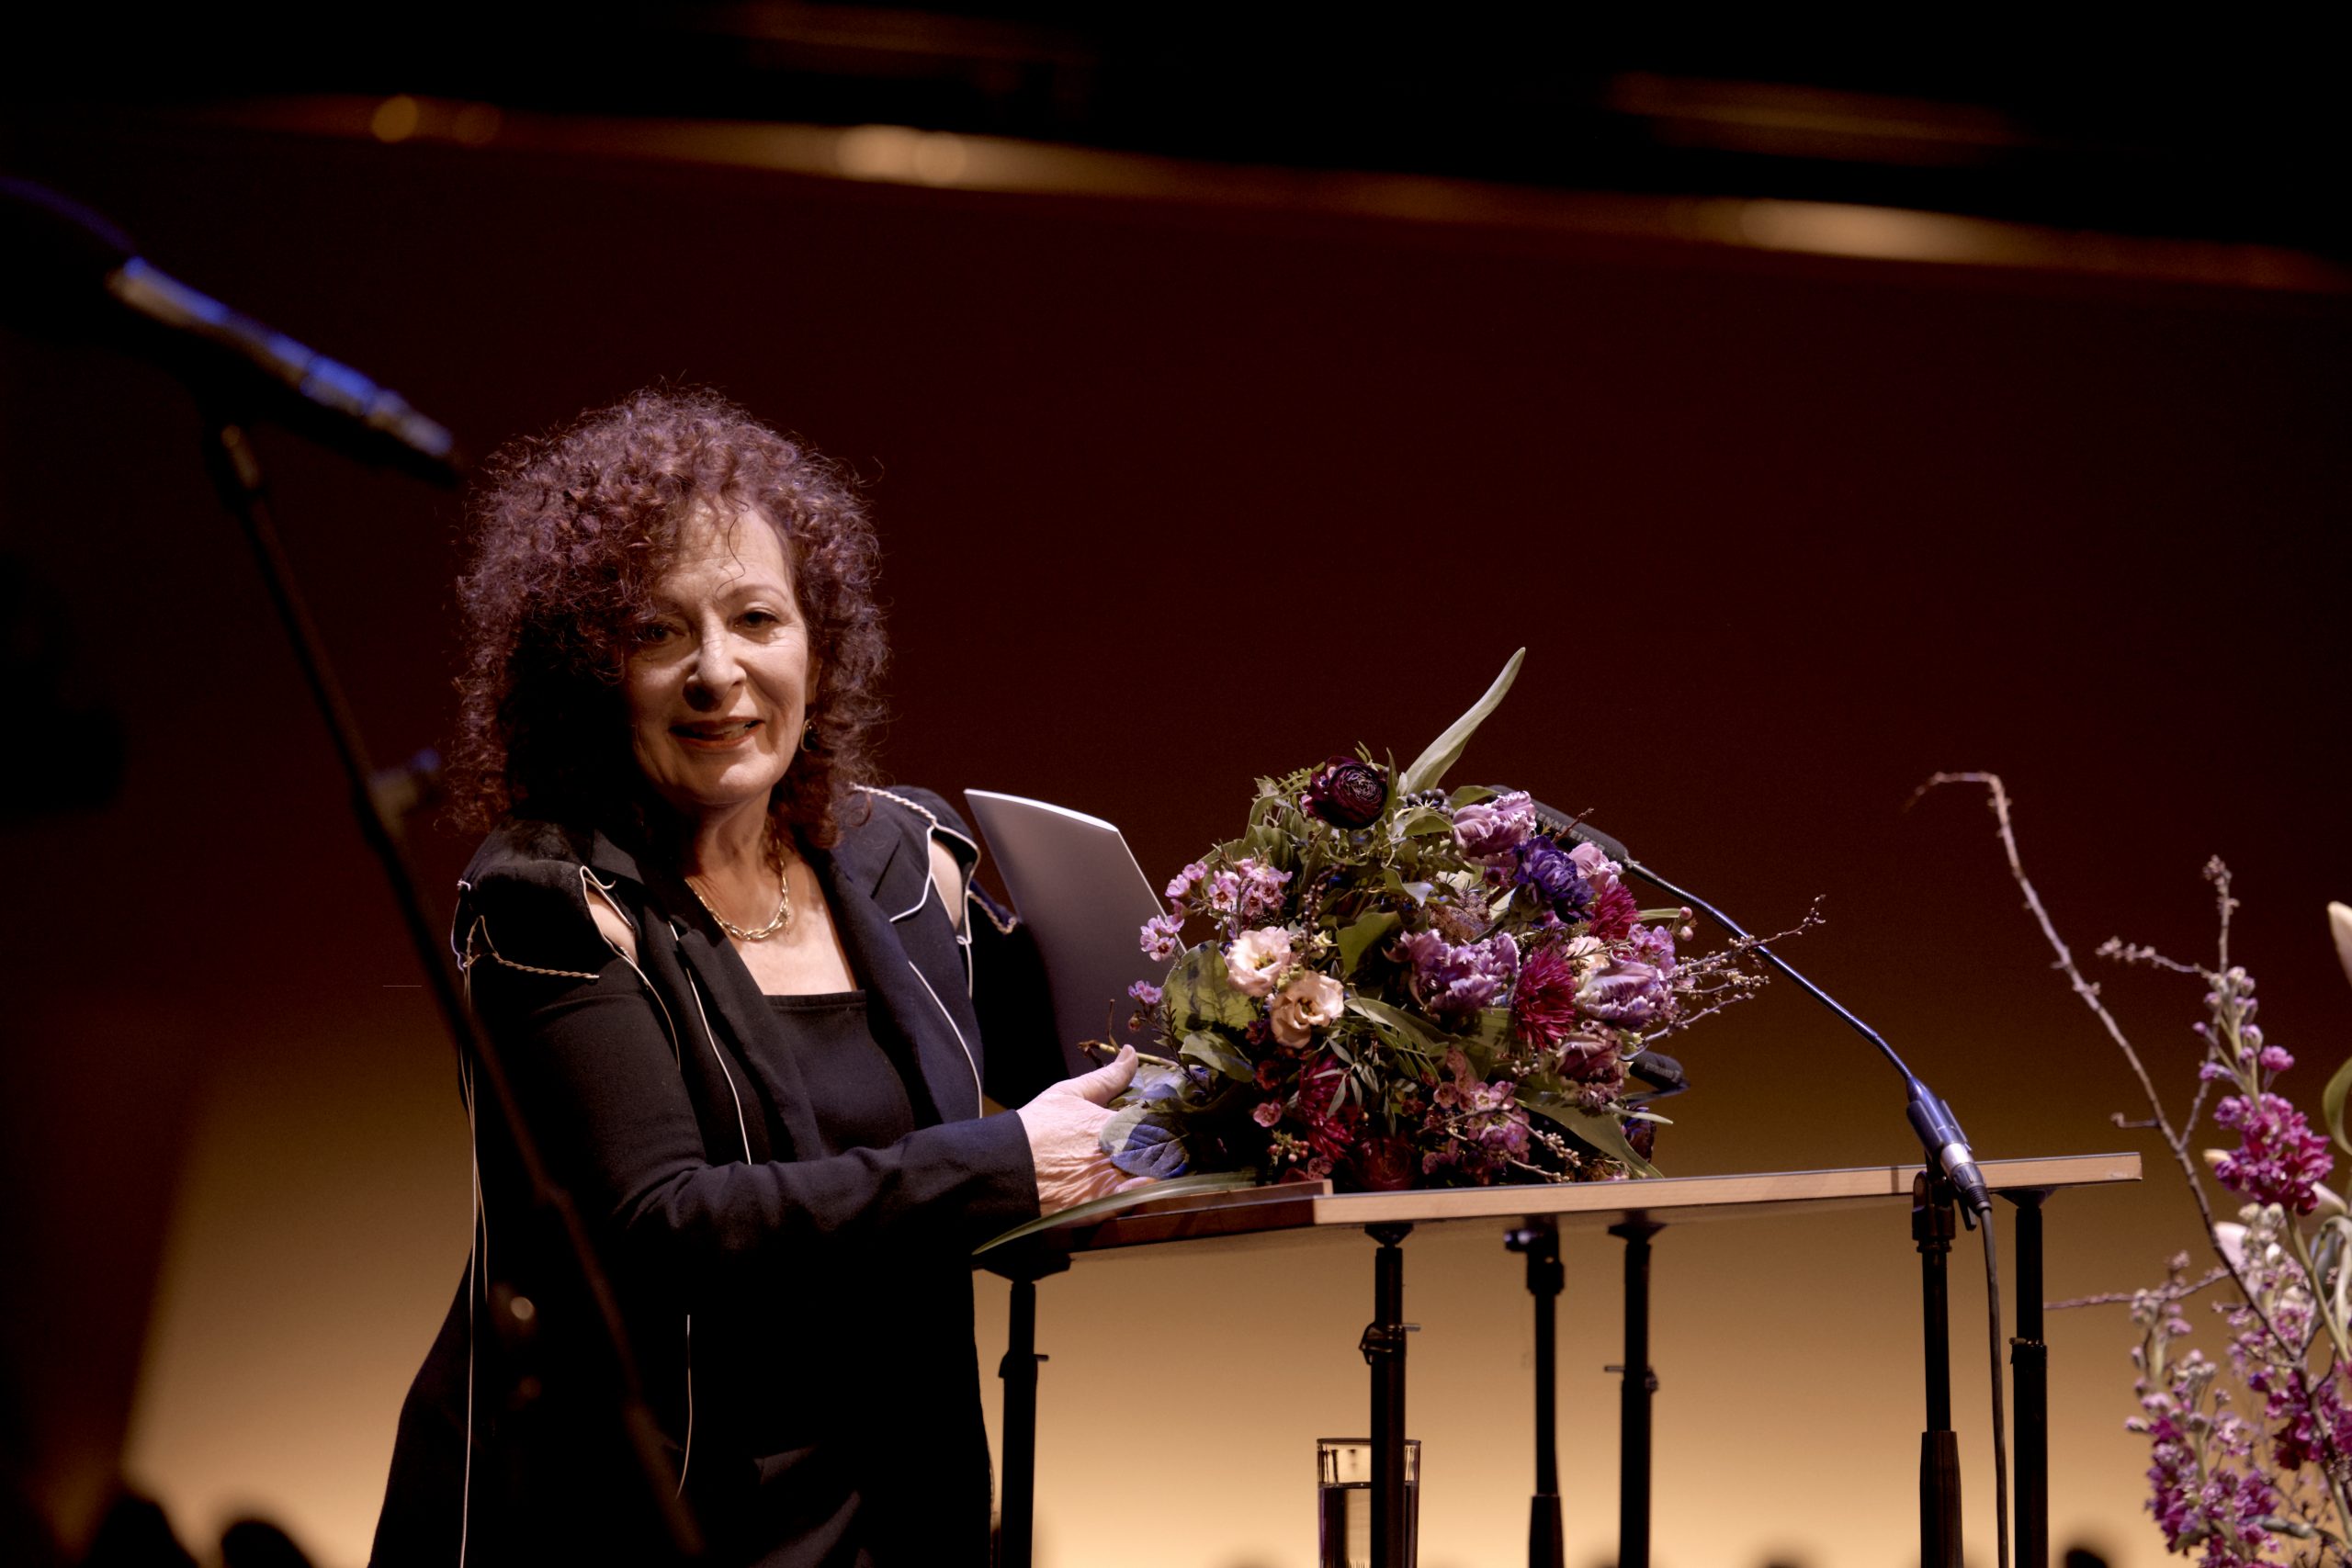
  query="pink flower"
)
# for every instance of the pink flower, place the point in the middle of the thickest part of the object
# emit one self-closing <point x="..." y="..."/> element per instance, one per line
<point x="1260" y="894"/>
<point x="1255" y="958"/>
<point x="1183" y="881"/>
<point x="1158" y="938"/>
<point x="1495" y="826"/>
<point x="1310" y="1002"/>
<point x="1268" y="1112"/>
<point x="1591" y="1057"/>
<point x="1625" y="991"/>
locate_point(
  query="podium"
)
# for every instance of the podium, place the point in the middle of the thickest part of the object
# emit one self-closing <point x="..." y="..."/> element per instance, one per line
<point x="1532" y="1218"/>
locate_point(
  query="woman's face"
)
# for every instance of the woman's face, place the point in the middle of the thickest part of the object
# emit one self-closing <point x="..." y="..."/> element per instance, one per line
<point x="720" y="681"/>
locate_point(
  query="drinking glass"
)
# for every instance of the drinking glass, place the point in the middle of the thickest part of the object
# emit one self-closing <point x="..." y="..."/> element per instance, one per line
<point x="1344" y="1501"/>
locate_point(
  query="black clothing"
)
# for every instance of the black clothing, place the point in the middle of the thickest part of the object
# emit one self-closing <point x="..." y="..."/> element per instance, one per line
<point x="795" y="1285"/>
<point x="860" y="1100"/>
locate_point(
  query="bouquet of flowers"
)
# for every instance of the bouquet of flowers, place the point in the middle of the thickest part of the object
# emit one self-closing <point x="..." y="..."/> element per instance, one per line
<point x="1394" y="985"/>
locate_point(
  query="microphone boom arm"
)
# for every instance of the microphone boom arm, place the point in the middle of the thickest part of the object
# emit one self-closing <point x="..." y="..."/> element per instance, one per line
<point x="1938" y="1130"/>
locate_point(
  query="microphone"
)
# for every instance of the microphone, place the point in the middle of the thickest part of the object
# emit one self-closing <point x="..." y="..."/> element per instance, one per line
<point x="67" y="266"/>
<point x="1938" y="1130"/>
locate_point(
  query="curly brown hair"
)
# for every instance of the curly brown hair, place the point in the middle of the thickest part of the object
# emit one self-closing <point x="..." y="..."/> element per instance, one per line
<point x="570" y="531"/>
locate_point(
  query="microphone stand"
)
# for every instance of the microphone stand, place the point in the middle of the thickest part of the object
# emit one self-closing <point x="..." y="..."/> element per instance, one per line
<point x="585" y="1313"/>
<point x="1951" y="1175"/>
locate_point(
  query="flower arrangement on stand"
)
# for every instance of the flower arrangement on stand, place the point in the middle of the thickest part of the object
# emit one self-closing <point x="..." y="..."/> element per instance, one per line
<point x="1389" y="984"/>
<point x="2251" y="1455"/>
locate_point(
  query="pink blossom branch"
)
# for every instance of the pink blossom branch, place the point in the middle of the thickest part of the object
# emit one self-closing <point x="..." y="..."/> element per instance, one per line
<point x="2125" y="1298"/>
<point x="2334" y="1464"/>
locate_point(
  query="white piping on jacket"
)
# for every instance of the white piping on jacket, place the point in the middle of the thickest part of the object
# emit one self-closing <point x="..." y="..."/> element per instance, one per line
<point x="961" y="924"/>
<point x="477" y="1264"/>
<point x="970" y="1060"/>
<point x="720" y="1058"/>
<point x="588" y="881"/>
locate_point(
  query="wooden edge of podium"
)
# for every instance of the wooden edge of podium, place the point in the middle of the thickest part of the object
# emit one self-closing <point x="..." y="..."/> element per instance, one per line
<point x="1314" y="1206"/>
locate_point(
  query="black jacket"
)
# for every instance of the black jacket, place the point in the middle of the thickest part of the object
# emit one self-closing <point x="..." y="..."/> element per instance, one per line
<point x="801" y="1326"/>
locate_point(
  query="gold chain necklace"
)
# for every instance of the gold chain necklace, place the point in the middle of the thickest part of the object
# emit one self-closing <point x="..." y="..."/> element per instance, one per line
<point x="783" y="907"/>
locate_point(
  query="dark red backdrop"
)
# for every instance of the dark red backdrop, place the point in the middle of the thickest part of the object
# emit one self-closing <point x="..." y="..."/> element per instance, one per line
<point x="1174" y="497"/>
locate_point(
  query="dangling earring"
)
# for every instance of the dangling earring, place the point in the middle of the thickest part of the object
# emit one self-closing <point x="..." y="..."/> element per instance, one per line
<point x="808" y="736"/>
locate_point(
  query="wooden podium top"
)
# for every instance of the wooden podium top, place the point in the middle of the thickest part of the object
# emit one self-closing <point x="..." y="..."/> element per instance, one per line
<point x="1313" y="1206"/>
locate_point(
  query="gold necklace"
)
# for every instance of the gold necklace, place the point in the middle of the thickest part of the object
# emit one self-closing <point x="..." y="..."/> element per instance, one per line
<point x="783" y="906"/>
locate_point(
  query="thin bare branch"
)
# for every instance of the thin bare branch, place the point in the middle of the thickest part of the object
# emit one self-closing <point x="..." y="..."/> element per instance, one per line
<point x="2125" y="1298"/>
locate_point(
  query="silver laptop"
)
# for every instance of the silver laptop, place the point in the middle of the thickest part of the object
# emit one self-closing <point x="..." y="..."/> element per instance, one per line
<point x="1078" y="888"/>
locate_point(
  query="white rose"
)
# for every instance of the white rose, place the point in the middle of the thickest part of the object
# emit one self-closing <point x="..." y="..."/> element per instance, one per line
<point x="1308" y="1003"/>
<point x="1255" y="958"/>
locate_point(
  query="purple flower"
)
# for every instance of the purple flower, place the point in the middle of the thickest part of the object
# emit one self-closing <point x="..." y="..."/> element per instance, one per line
<point x="2279" y="1158"/>
<point x="1158" y="939"/>
<point x="1545" y="870"/>
<point x="1653" y="945"/>
<point x="1183" y="880"/>
<point x="1628" y="992"/>
<point x="1495" y="826"/>
<point x="1347" y="793"/>
<point x="1144" y="992"/>
<point x="1451" y="981"/>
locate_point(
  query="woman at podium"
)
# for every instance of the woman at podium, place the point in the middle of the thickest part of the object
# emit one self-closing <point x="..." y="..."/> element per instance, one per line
<point x="728" y="976"/>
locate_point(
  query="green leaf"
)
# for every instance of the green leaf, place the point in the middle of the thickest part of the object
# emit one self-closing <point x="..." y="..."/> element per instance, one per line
<point x="1268" y="845"/>
<point x="1470" y="794"/>
<point x="1601" y="1132"/>
<point x="1103" y="1208"/>
<point x="1446" y="749"/>
<point x="1361" y="935"/>
<point x="1423" y="820"/>
<point x="1399" y="1021"/>
<point x="1210" y="1051"/>
<point x="1200" y="994"/>
<point x="2331" y="1104"/>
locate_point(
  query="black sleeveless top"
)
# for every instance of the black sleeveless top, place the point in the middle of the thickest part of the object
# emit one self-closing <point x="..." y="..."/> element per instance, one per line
<point x="854" y="1087"/>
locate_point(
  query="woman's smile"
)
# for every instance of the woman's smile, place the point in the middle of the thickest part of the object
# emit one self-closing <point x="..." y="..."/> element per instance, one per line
<point x="716" y="735"/>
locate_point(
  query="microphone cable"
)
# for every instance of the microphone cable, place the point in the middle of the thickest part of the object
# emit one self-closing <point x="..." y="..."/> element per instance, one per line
<point x="2000" y="1425"/>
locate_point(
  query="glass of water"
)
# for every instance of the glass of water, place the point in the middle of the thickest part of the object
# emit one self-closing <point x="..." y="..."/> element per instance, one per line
<point x="1344" y="1501"/>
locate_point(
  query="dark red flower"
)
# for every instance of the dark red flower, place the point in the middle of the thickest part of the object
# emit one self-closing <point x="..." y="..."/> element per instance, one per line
<point x="1347" y="793"/>
<point x="1543" y="1005"/>
<point x="1331" y="1127"/>
<point x="1614" y="913"/>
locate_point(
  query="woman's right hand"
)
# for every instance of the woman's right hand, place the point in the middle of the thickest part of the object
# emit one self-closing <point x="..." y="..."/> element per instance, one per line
<point x="1065" y="1128"/>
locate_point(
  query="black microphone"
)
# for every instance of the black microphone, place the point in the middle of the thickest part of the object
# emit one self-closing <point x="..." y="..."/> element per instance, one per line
<point x="67" y="266"/>
<point x="1938" y="1130"/>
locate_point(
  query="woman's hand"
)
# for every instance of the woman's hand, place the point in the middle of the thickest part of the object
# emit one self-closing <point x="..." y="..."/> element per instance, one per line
<point x="1065" y="1128"/>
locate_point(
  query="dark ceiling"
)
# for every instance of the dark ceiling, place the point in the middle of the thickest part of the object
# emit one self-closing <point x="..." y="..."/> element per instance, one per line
<point x="2230" y="133"/>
